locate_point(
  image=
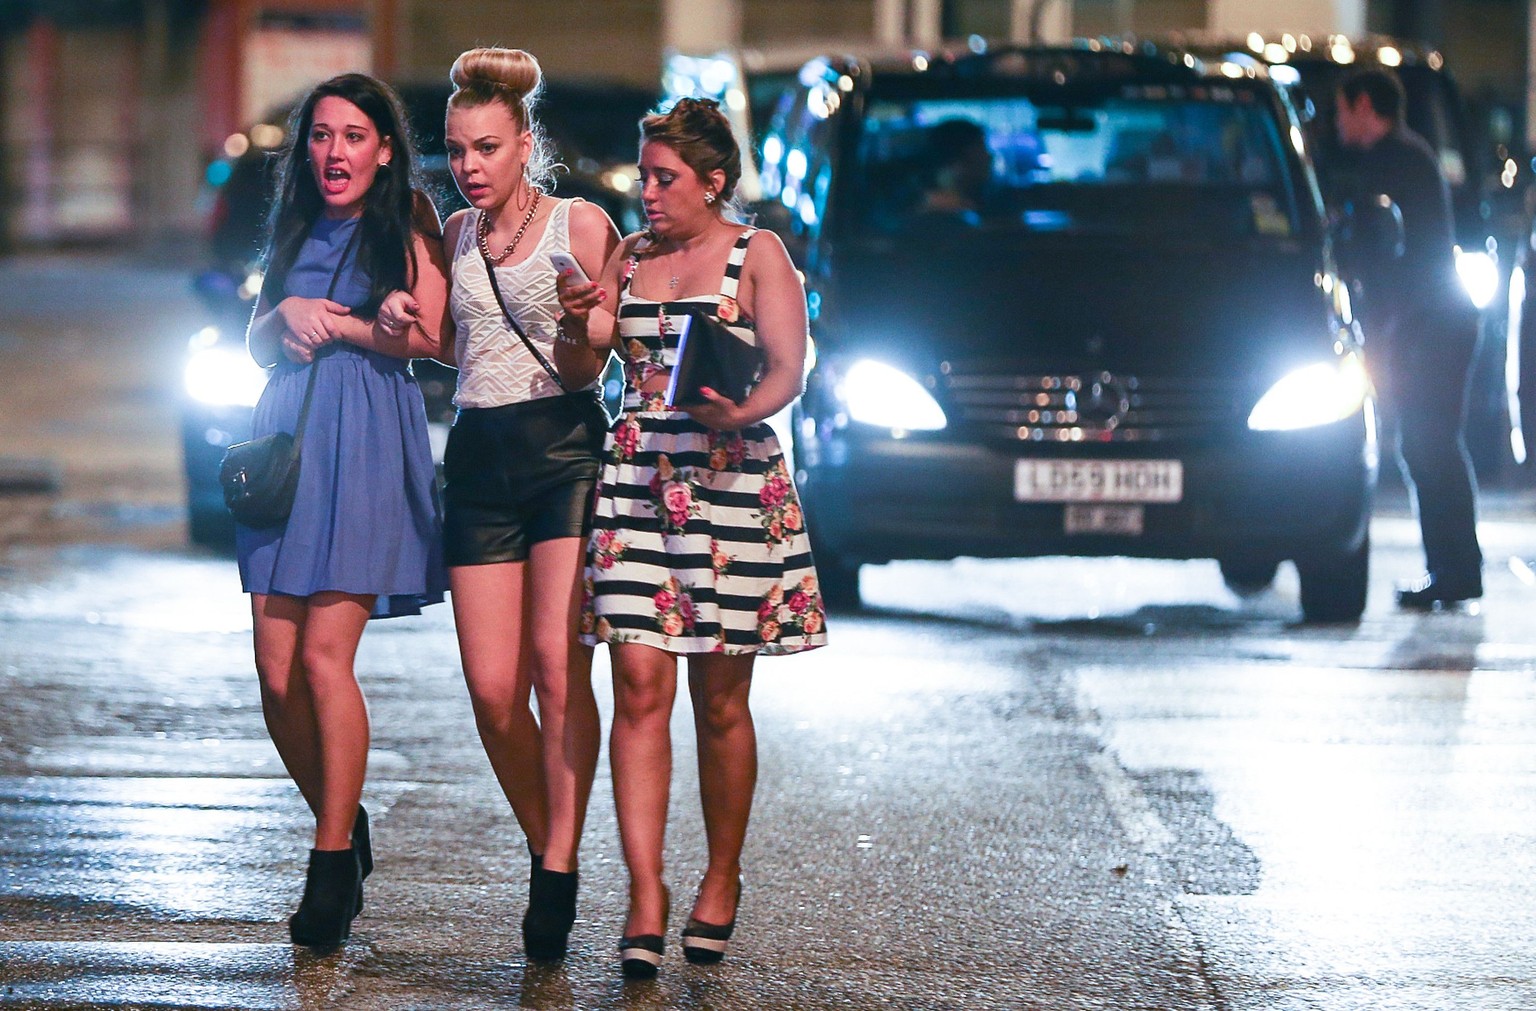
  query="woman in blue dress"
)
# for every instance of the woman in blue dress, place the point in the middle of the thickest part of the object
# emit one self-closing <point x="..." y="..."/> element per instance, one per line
<point x="354" y="248"/>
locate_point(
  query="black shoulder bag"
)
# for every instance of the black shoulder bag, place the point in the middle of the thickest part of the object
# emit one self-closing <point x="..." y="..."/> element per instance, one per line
<point x="260" y="477"/>
<point x="609" y="394"/>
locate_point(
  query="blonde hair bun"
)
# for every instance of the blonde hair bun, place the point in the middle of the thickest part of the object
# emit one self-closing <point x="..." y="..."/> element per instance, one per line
<point x="514" y="69"/>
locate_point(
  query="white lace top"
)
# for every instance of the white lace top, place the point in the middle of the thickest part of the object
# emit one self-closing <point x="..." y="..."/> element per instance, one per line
<point x="495" y="369"/>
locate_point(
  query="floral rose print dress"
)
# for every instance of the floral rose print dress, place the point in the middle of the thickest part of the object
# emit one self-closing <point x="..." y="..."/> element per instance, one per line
<point x="698" y="543"/>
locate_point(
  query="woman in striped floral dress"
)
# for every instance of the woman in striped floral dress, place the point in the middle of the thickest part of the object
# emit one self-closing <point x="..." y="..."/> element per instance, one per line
<point x="698" y="543"/>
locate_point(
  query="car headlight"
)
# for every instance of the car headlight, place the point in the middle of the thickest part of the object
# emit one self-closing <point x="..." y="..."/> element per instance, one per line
<point x="220" y="375"/>
<point x="877" y="394"/>
<point x="1313" y="395"/>
<point x="1479" y="273"/>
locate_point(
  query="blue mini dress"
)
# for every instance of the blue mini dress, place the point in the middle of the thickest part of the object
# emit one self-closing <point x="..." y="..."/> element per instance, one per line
<point x="365" y="518"/>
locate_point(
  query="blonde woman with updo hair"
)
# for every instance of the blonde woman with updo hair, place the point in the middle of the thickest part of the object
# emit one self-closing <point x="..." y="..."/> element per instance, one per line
<point x="698" y="545"/>
<point x="521" y="464"/>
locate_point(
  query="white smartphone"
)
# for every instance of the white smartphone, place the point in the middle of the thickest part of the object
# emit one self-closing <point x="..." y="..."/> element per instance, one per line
<point x="564" y="261"/>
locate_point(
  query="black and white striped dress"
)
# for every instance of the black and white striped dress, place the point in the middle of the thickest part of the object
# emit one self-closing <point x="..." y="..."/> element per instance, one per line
<point x="698" y="541"/>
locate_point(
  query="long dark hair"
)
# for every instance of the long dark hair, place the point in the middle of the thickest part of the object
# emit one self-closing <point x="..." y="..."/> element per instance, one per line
<point x="390" y="207"/>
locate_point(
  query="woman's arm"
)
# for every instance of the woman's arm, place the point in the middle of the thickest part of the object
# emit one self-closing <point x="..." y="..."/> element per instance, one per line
<point x="775" y="300"/>
<point x="411" y="324"/>
<point x="295" y="327"/>
<point x="448" y="343"/>
<point x="593" y="240"/>
<point x="586" y="316"/>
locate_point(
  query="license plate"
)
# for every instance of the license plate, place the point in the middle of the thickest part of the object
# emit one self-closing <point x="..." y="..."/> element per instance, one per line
<point x="1125" y="520"/>
<point x="1098" y="481"/>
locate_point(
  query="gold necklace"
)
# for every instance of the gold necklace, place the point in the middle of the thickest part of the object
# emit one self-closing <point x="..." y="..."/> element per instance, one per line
<point x="483" y="232"/>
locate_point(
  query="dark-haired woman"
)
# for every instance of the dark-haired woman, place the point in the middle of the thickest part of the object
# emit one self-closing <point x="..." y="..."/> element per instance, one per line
<point x="698" y="546"/>
<point x="363" y="539"/>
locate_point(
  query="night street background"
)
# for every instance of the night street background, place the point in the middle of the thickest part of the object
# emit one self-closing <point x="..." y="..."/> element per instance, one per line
<point x="1104" y="784"/>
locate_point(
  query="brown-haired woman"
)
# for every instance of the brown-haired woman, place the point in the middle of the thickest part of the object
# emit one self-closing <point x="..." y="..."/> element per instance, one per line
<point x="350" y="236"/>
<point x="698" y="544"/>
<point x="520" y="467"/>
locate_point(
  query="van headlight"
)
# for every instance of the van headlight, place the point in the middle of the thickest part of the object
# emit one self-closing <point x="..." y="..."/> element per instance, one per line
<point x="219" y="375"/>
<point x="877" y="394"/>
<point x="1313" y="395"/>
<point x="1479" y="273"/>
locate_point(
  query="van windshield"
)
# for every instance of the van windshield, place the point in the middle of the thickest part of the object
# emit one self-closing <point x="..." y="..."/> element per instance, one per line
<point x="1140" y="159"/>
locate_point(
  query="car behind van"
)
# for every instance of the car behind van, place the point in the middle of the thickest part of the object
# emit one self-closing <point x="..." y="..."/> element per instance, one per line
<point x="1076" y="301"/>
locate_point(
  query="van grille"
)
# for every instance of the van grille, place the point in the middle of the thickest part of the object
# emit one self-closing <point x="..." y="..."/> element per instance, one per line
<point x="1093" y="406"/>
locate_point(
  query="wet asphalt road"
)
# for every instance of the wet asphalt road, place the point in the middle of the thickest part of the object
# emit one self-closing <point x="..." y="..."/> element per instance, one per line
<point x="1041" y="784"/>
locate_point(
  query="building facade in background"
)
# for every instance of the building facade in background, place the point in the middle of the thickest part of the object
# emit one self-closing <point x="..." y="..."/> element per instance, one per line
<point x="111" y="110"/>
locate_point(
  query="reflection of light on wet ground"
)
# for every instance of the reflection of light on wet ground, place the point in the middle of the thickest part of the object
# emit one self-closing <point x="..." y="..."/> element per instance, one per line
<point x="80" y="974"/>
<point x="1522" y="570"/>
<point x="1390" y="809"/>
<point x="172" y="593"/>
<point x="149" y="756"/>
<point x="1043" y="589"/>
<point x="171" y="848"/>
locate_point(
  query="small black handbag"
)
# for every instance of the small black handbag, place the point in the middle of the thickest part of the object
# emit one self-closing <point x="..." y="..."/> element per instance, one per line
<point x="260" y="477"/>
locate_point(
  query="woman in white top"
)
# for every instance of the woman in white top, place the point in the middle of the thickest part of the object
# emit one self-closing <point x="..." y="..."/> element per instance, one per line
<point x="521" y="464"/>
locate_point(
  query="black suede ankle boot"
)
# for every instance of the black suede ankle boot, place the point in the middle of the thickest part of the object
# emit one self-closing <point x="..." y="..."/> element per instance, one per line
<point x="323" y="920"/>
<point x="551" y="912"/>
<point x="362" y="841"/>
<point x="362" y="845"/>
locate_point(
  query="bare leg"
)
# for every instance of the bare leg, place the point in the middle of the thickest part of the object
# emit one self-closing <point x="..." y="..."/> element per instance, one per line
<point x="487" y="611"/>
<point x="561" y="671"/>
<point x="727" y="744"/>
<point x="644" y="689"/>
<point x="328" y="652"/>
<point x="278" y="626"/>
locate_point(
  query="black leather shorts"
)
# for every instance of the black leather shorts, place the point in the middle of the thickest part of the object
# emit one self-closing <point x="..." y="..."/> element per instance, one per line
<point x="518" y="475"/>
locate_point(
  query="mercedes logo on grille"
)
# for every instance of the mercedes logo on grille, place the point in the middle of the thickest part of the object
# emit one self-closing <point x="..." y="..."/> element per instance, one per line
<point x="1103" y="401"/>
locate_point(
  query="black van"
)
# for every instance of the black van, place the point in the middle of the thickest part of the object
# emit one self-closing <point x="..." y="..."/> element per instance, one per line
<point x="1070" y="300"/>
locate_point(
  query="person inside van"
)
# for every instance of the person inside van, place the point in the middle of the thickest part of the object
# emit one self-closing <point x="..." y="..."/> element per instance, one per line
<point x="960" y="169"/>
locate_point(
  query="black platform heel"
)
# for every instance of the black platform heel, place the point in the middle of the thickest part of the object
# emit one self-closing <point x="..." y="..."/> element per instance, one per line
<point x="323" y="920"/>
<point x="551" y="913"/>
<point x="705" y="943"/>
<point x="362" y="845"/>
<point x="640" y="954"/>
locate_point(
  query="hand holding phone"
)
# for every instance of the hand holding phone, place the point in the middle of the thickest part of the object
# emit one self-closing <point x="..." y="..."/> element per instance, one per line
<point x="566" y="263"/>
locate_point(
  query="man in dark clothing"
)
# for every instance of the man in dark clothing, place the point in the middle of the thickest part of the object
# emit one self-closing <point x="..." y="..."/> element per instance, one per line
<point x="1420" y="329"/>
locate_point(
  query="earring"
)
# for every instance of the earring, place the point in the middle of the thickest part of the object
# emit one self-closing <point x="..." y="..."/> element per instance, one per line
<point x="709" y="198"/>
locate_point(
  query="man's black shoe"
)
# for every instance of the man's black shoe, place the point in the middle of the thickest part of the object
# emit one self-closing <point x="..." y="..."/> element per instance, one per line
<point x="1429" y="592"/>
